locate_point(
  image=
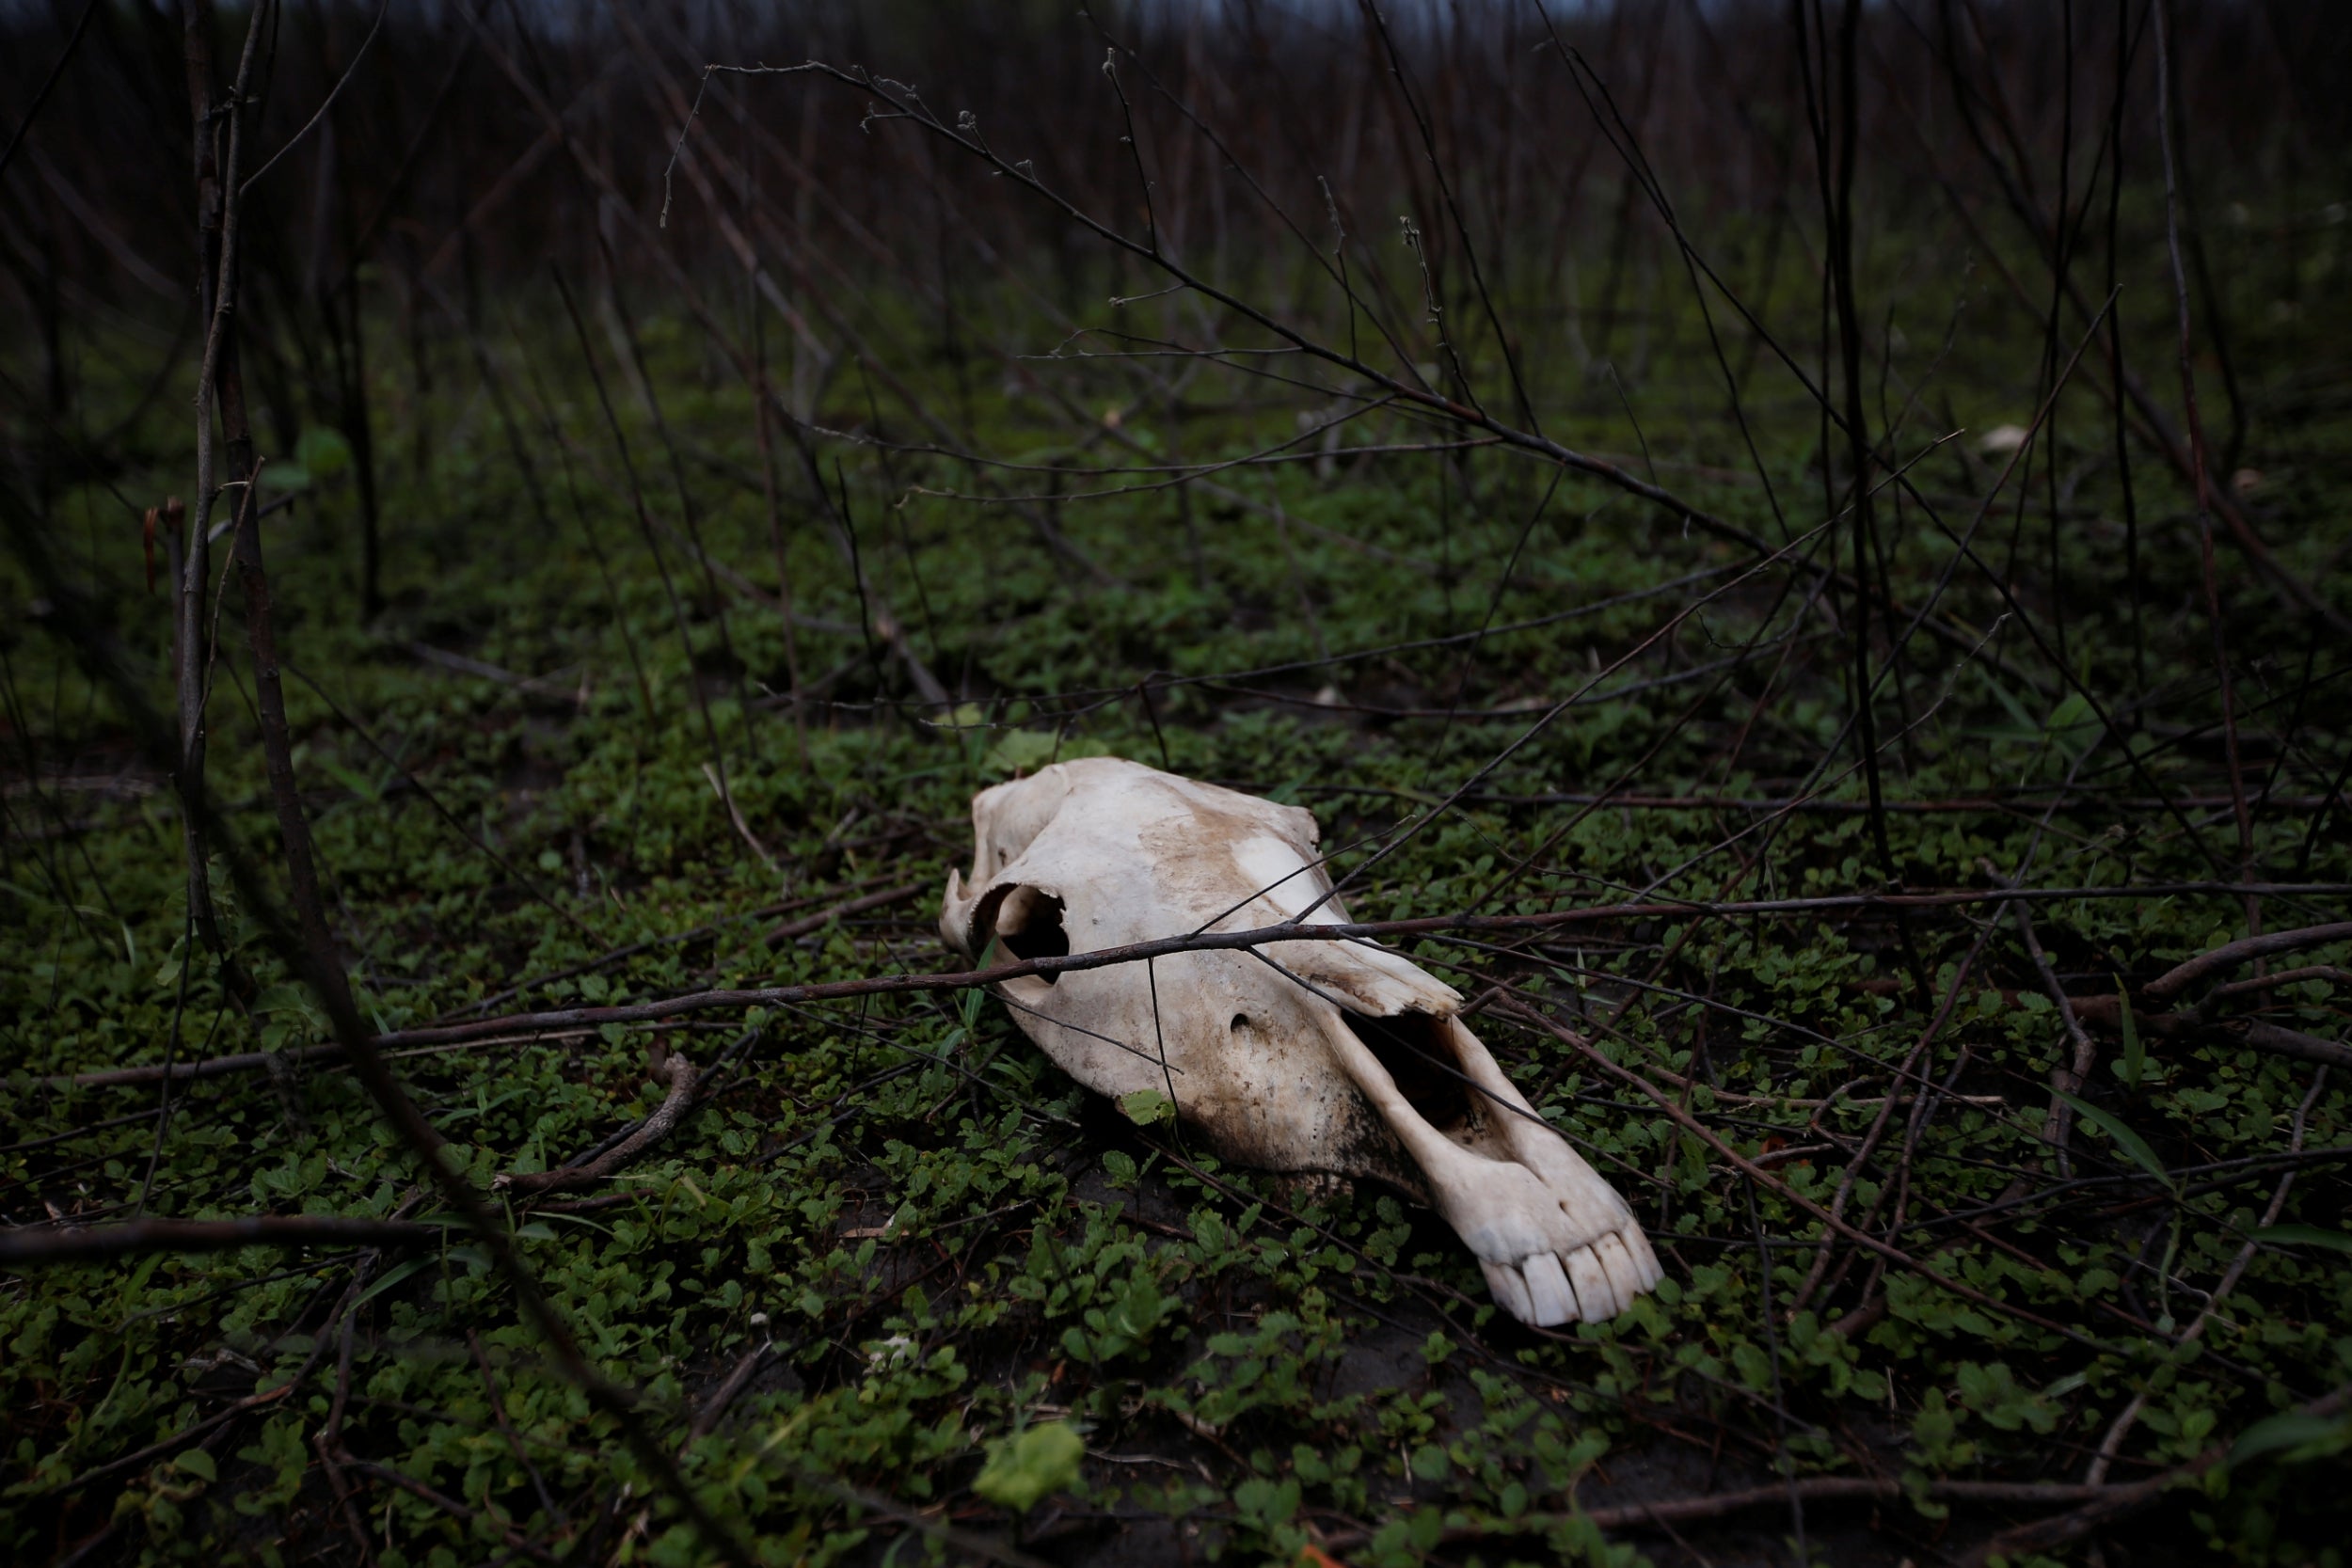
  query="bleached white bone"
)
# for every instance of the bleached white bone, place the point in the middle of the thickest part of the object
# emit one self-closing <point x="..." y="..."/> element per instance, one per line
<point x="1325" y="1057"/>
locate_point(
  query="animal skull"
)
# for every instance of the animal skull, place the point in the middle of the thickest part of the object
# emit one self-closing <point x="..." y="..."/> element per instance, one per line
<point x="1339" y="1057"/>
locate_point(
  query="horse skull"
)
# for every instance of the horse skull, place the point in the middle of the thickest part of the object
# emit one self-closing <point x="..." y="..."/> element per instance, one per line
<point x="1327" y="1056"/>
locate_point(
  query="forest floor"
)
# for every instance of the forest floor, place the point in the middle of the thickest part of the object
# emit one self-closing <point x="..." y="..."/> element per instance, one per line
<point x="895" y="1275"/>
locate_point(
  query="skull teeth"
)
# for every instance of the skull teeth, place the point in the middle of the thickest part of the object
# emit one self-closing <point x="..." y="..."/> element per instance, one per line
<point x="1549" y="1290"/>
<point x="1589" y="1284"/>
<point x="1510" y="1288"/>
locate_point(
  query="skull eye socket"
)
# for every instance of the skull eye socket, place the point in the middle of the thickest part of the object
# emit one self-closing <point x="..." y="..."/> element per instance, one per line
<point x="1417" y="1050"/>
<point x="1027" y="922"/>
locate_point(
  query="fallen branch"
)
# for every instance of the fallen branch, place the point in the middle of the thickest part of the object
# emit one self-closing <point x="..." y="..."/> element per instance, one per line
<point x="2224" y="958"/>
<point x="629" y="950"/>
<point x="1715" y="1505"/>
<point x="29" y="1246"/>
<point x="2067" y="1079"/>
<point x="735" y="814"/>
<point x="2095" y="1504"/>
<point x="1780" y="1189"/>
<point x="180" y="1073"/>
<point x="2018" y="803"/>
<point x="1104" y="957"/>
<point x="203" y="1431"/>
<point x="706" y="1417"/>
<point x="786" y="930"/>
<point x="534" y="686"/>
<point x="2252" y="1033"/>
<point x="2114" y="1503"/>
<point x="2112" y="1444"/>
<point x="2278" y="977"/>
<point x="663" y="1067"/>
<point x="264" y="1061"/>
<point x="515" y="1541"/>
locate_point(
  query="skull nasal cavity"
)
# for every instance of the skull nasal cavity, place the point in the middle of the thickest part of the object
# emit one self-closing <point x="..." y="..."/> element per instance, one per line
<point x="1419" y="1055"/>
<point x="1029" y="924"/>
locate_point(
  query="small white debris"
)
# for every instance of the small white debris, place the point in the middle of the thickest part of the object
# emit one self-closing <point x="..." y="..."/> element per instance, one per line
<point x="883" y="1355"/>
<point x="2001" y="440"/>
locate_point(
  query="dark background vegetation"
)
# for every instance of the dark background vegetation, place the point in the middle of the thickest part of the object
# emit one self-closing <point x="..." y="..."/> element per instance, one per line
<point x="1718" y="483"/>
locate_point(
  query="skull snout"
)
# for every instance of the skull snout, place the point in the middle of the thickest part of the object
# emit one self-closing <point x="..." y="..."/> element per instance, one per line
<point x="1416" y="1051"/>
<point x="1555" y="1242"/>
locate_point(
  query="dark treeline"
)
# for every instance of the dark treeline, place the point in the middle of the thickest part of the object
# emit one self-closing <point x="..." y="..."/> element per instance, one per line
<point x="434" y="163"/>
<point x="401" y="164"/>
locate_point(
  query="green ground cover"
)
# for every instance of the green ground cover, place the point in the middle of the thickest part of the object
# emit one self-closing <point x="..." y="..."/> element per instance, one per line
<point x="952" y="1281"/>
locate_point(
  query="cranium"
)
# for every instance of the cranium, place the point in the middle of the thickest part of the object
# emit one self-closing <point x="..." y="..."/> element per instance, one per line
<point x="1339" y="1057"/>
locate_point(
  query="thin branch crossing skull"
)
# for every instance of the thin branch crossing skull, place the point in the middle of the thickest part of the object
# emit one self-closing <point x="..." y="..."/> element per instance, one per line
<point x="1329" y="1056"/>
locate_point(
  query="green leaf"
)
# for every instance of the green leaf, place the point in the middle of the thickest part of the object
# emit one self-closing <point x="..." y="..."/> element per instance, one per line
<point x="323" y="452"/>
<point x="355" y="781"/>
<point x="1026" y="1468"/>
<point x="2135" y="1063"/>
<point x="2125" y="1139"/>
<point x="2289" y="1429"/>
<point x="391" y="1277"/>
<point x="2305" y="1235"/>
<point x="196" y="1462"/>
<point x="2017" y="711"/>
<point x="2073" y="727"/>
<point x="1147" y="1106"/>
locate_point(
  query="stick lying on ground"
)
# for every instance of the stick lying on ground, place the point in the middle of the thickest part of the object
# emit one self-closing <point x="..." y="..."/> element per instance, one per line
<point x="663" y="1066"/>
<point x="28" y="1245"/>
<point x="2097" y="1504"/>
<point x="804" y="924"/>
<point x="2254" y="1035"/>
<point x="2251" y="1033"/>
<point x="2107" y="1012"/>
<point x="2230" y="955"/>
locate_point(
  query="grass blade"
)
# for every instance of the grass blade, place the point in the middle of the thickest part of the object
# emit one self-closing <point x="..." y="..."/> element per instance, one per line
<point x="2125" y="1139"/>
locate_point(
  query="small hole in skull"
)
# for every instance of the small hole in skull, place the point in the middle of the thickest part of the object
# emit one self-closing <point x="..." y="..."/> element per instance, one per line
<point x="1241" y="1021"/>
<point x="1029" y="925"/>
<point x="1419" y="1055"/>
